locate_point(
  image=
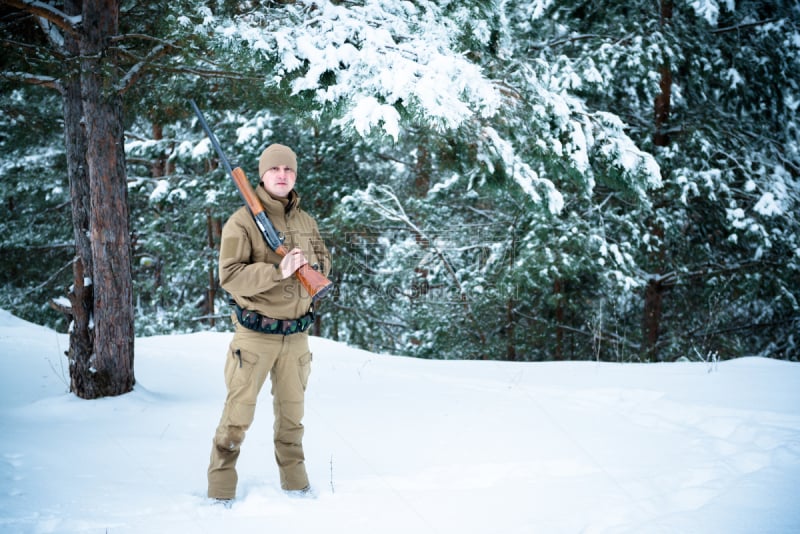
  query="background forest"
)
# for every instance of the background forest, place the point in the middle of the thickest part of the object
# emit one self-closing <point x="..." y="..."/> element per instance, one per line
<point x="503" y="180"/>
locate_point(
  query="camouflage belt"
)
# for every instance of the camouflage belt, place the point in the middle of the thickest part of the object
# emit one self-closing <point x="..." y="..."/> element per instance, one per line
<point x="267" y="325"/>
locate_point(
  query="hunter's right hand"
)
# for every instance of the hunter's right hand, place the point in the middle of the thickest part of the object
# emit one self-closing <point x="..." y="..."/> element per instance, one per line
<point x="291" y="262"/>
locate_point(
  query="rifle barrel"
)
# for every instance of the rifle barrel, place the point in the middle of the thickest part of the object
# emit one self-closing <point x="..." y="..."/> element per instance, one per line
<point x="211" y="137"/>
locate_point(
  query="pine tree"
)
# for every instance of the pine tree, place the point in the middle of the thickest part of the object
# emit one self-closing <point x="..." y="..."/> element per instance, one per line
<point x="101" y="356"/>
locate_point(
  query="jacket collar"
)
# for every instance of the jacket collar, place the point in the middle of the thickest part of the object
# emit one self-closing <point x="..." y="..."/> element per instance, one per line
<point x="276" y="207"/>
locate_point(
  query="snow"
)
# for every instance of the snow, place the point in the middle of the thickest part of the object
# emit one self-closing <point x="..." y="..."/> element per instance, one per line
<point x="767" y="205"/>
<point x="708" y="9"/>
<point x="401" y="445"/>
<point x="160" y="191"/>
<point x="522" y="173"/>
<point x="368" y="112"/>
<point x="388" y="52"/>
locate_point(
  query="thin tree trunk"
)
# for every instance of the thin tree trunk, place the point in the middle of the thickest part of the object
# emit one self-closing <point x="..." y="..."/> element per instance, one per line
<point x="558" y="290"/>
<point x="653" y="299"/>
<point x="422" y="171"/>
<point x="158" y="167"/>
<point x="214" y="231"/>
<point x="511" y="322"/>
<point x="112" y="361"/>
<point x="663" y="101"/>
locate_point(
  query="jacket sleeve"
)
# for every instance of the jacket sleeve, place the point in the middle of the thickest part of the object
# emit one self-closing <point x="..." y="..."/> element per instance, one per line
<point x="240" y="273"/>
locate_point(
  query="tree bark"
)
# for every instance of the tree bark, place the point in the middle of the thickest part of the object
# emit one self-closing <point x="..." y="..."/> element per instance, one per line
<point x="653" y="299"/>
<point x="663" y="101"/>
<point x="653" y="294"/>
<point x="112" y="361"/>
<point x="511" y="322"/>
<point x="558" y="290"/>
<point x="662" y="107"/>
<point x="81" y="336"/>
<point x="422" y="171"/>
<point x="214" y="232"/>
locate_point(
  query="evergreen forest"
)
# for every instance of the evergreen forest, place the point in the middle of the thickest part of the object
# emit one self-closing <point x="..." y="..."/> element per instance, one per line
<point x="530" y="181"/>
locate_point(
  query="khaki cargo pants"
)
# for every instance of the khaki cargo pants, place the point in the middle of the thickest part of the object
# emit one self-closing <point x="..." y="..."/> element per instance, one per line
<point x="251" y="356"/>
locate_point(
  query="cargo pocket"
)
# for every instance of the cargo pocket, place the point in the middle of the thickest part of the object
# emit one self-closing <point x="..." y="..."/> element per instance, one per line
<point x="304" y="368"/>
<point x="242" y="378"/>
<point x="239" y="369"/>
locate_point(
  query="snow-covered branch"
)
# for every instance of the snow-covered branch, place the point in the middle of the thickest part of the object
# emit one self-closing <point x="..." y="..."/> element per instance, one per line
<point x="48" y="12"/>
<point x="32" y="79"/>
<point x="138" y="70"/>
<point x="372" y="61"/>
<point x="743" y="26"/>
<point x="383" y="201"/>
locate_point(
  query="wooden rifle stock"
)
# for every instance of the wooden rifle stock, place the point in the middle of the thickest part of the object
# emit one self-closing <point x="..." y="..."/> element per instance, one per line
<point x="313" y="281"/>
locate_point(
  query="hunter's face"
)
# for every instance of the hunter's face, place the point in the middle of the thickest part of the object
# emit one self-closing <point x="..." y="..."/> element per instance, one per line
<point x="279" y="181"/>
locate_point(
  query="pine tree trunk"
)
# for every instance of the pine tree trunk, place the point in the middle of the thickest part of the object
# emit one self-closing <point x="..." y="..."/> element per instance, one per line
<point x="214" y="232"/>
<point x="511" y="323"/>
<point x="653" y="298"/>
<point x="111" y="371"/>
<point x="654" y="293"/>
<point x="422" y="171"/>
<point x="558" y="290"/>
<point x="663" y="101"/>
<point x="80" y="334"/>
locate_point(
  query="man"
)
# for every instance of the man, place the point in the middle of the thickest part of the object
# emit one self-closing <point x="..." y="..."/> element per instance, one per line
<point x="262" y="285"/>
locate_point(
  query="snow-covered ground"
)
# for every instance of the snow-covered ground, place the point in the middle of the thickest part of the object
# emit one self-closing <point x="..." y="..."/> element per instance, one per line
<point x="397" y="445"/>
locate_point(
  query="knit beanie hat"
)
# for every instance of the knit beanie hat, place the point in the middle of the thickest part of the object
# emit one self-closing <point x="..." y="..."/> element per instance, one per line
<point x="276" y="156"/>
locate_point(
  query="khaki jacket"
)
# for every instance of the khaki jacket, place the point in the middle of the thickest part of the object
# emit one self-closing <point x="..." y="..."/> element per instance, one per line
<point x="248" y="268"/>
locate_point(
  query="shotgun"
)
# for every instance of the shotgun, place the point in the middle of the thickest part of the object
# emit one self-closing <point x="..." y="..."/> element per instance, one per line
<point x="313" y="281"/>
